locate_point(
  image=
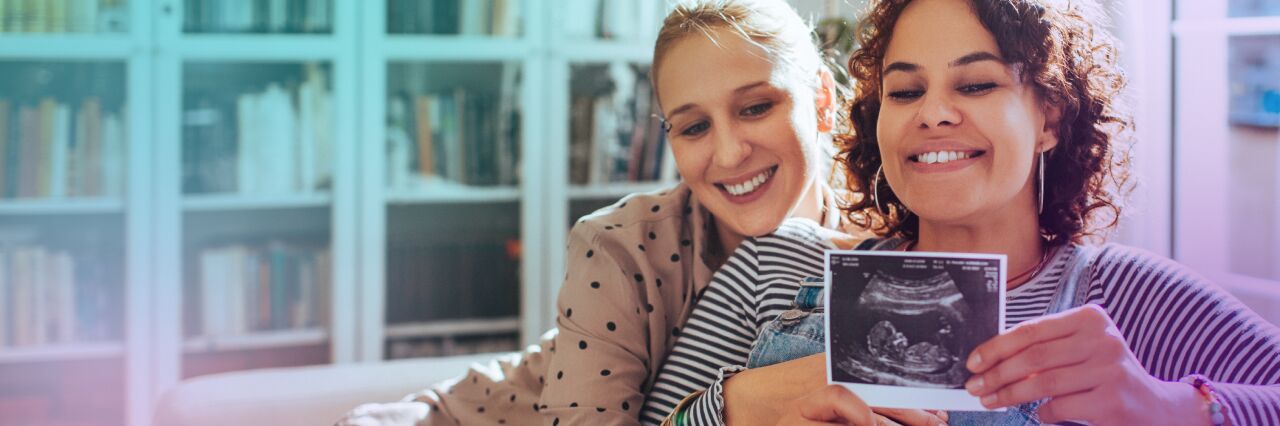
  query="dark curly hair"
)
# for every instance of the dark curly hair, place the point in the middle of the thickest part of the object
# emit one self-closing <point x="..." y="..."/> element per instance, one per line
<point x="1071" y="63"/>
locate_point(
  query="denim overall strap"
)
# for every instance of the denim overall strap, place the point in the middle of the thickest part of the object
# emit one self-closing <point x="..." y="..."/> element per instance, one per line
<point x="809" y="297"/>
<point x="1073" y="286"/>
<point x="800" y="331"/>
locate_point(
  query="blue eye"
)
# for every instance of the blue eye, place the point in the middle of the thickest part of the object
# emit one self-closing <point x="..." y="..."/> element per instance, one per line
<point x="695" y="129"/>
<point x="975" y="89"/>
<point x="757" y="109"/>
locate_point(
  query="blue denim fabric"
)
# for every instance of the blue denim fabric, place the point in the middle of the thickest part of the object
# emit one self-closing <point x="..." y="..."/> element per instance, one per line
<point x="800" y="332"/>
<point x="796" y="333"/>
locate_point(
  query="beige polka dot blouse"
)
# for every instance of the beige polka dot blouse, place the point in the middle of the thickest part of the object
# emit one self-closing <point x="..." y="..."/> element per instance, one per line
<point x="635" y="269"/>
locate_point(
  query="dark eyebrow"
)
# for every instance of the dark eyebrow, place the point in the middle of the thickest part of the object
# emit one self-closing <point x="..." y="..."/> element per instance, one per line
<point x="963" y="60"/>
<point x="900" y="66"/>
<point x="741" y="89"/>
<point x="975" y="57"/>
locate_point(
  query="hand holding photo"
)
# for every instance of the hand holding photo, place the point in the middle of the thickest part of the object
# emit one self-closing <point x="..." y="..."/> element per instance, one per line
<point x="901" y="325"/>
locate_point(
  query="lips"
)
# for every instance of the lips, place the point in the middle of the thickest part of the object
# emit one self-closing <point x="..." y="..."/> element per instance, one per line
<point x="749" y="188"/>
<point x="945" y="156"/>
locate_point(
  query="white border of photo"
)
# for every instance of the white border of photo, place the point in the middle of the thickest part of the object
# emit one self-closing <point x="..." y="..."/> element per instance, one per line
<point x="902" y="396"/>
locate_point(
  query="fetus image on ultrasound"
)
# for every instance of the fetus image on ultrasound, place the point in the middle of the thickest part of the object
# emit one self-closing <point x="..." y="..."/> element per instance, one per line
<point x="906" y="320"/>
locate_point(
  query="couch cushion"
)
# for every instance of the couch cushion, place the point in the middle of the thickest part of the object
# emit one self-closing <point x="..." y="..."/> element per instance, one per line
<point x="301" y="395"/>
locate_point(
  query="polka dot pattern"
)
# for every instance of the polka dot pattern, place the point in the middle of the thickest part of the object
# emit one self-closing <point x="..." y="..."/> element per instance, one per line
<point x="650" y="243"/>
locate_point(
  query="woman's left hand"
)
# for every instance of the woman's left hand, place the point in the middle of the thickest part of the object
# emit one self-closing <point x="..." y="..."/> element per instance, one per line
<point x="1080" y="359"/>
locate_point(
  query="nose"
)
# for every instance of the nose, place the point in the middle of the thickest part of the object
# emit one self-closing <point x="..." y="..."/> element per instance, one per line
<point x="731" y="147"/>
<point x="936" y="110"/>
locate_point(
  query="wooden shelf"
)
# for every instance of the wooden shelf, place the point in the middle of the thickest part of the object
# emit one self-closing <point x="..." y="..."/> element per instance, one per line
<point x="60" y="206"/>
<point x="257" y="340"/>
<point x="256" y="47"/>
<point x="452" y="328"/>
<point x="60" y="352"/>
<point x="593" y="51"/>
<point x="67" y="46"/>
<point x="1258" y="25"/>
<point x="193" y="203"/>
<point x="413" y="47"/>
<point x="452" y="193"/>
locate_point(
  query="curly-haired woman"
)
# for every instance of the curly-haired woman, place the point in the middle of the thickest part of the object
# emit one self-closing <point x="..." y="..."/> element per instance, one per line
<point x="987" y="126"/>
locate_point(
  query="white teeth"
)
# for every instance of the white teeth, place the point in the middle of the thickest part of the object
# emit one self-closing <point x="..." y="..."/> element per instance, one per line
<point x="750" y="185"/>
<point x="941" y="157"/>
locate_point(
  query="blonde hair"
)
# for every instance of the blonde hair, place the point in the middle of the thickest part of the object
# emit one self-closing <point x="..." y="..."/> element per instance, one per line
<point x="776" y="28"/>
<point x="770" y="24"/>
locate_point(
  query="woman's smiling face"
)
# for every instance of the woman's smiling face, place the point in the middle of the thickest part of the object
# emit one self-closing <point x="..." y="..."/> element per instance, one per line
<point x="958" y="129"/>
<point x="743" y="129"/>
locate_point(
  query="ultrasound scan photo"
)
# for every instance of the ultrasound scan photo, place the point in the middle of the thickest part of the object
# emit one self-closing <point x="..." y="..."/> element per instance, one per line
<point x="904" y="323"/>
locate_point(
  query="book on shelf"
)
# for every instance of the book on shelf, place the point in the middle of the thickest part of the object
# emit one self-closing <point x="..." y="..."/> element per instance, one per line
<point x="62" y="16"/>
<point x="451" y="280"/>
<point x="454" y="17"/>
<point x="451" y="345"/>
<point x="460" y="136"/>
<point x="279" y="140"/>
<point x="51" y="149"/>
<point x="258" y="16"/>
<point x="49" y="297"/>
<point x="614" y="135"/>
<point x="243" y="288"/>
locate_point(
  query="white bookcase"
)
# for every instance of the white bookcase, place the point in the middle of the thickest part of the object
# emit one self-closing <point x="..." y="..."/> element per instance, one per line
<point x="397" y="263"/>
<point x="207" y="200"/>
<point x="255" y="170"/>
<point x="104" y="235"/>
<point x="529" y="215"/>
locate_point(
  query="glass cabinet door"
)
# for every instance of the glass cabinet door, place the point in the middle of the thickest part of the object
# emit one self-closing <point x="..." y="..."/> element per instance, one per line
<point x="453" y="207"/>
<point x="63" y="241"/>
<point x="257" y="161"/>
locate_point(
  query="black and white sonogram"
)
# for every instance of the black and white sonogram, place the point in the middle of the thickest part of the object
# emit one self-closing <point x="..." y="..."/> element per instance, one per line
<point x="900" y="326"/>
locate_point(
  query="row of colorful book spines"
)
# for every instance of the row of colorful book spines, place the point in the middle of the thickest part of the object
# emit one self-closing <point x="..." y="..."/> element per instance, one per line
<point x="55" y="149"/>
<point x="279" y="288"/>
<point x="468" y="17"/>
<point x="451" y="346"/>
<point x="457" y="137"/>
<point x="61" y="15"/>
<point x="46" y="298"/>
<point x="308" y="16"/>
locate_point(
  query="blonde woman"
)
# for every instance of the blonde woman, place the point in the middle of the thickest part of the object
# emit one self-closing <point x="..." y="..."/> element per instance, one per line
<point x="748" y="106"/>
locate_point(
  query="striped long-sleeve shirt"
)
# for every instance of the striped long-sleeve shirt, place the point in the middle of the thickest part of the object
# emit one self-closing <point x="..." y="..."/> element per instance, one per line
<point x="1175" y="322"/>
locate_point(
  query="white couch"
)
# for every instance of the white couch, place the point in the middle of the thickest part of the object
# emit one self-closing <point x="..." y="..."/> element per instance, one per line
<point x="301" y="395"/>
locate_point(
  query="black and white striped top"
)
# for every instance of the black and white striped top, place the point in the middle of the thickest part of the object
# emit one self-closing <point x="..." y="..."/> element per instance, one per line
<point x="1176" y="322"/>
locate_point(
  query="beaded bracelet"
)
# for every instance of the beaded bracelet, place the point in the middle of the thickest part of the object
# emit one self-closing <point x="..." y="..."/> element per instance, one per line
<point x="1217" y="411"/>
